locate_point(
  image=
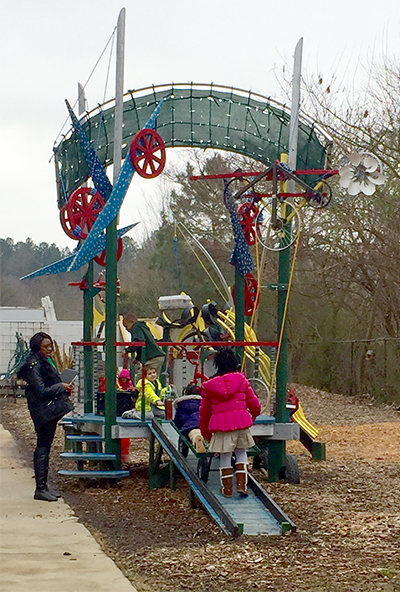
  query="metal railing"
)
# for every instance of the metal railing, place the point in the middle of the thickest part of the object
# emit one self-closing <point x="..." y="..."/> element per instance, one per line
<point x="186" y="363"/>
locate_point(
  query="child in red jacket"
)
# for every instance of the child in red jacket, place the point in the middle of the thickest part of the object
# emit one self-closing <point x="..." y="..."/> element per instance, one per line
<point x="228" y="409"/>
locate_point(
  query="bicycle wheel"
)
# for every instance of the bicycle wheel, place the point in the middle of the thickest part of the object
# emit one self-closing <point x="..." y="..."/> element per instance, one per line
<point x="261" y="389"/>
<point x="292" y="473"/>
<point x="279" y="234"/>
<point x="320" y="197"/>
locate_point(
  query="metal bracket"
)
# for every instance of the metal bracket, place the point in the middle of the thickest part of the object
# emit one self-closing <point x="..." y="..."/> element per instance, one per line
<point x="278" y="287"/>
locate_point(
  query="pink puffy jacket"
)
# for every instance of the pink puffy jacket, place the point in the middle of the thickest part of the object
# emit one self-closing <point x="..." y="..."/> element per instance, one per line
<point x="228" y="403"/>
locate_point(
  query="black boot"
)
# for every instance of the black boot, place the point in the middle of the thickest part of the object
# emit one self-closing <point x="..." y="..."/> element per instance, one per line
<point x="50" y="488"/>
<point x="53" y="491"/>
<point x="41" y="465"/>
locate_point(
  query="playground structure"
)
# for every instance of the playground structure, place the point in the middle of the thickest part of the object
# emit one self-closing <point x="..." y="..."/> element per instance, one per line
<point x="80" y="216"/>
<point x="85" y="212"/>
<point x="165" y="439"/>
<point x="291" y="152"/>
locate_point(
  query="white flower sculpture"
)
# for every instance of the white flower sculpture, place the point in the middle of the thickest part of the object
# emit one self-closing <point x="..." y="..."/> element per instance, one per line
<point x="362" y="174"/>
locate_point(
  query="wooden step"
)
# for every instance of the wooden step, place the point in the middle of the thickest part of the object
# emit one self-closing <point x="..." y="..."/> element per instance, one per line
<point x="85" y="438"/>
<point x="81" y="456"/>
<point x="94" y="474"/>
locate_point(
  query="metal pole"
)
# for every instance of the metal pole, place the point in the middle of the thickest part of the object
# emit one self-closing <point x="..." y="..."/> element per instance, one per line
<point x="294" y="115"/>
<point x="81" y="99"/>
<point x="87" y="307"/>
<point x="119" y="91"/>
<point x="87" y="336"/>
<point x="239" y="311"/>
<point x="277" y="448"/>
<point x="111" y="257"/>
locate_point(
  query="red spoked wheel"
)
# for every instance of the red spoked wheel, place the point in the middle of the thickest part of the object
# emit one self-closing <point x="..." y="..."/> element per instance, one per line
<point x="247" y="217"/>
<point x="101" y="259"/>
<point x="80" y="212"/>
<point x="147" y="153"/>
<point x="66" y="223"/>
<point x="251" y="294"/>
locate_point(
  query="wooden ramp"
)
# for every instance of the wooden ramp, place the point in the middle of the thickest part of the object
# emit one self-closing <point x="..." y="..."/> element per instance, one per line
<point x="256" y="514"/>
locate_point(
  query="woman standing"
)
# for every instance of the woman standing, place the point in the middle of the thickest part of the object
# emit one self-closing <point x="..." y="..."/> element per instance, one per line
<point x="48" y="401"/>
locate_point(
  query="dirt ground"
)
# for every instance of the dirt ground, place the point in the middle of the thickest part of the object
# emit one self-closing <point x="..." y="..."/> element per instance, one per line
<point x="346" y="509"/>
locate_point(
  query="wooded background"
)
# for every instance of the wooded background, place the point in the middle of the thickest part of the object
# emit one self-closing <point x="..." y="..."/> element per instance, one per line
<point x="344" y="312"/>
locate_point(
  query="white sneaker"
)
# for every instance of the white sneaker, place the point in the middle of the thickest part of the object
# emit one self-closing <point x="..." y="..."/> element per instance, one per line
<point x="130" y="414"/>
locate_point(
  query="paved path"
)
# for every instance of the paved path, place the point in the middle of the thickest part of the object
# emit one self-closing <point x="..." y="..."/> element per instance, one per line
<point x="43" y="548"/>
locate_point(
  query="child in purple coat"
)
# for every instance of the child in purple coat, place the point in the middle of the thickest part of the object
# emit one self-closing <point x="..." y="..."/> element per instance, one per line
<point x="186" y="416"/>
<point x="228" y="409"/>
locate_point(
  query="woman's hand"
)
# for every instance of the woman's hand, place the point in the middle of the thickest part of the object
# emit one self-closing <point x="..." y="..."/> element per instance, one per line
<point x="69" y="386"/>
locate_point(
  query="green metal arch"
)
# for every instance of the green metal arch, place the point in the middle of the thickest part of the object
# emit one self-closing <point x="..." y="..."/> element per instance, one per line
<point x="193" y="115"/>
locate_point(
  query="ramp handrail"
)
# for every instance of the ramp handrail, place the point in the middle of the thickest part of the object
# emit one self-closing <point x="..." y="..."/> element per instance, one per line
<point x="270" y="504"/>
<point x="210" y="503"/>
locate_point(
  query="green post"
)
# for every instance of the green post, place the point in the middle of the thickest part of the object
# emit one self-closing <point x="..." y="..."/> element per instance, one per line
<point x="87" y="336"/>
<point x="143" y="361"/>
<point x="277" y="448"/>
<point x="166" y="337"/>
<point x="282" y="370"/>
<point x="112" y="445"/>
<point x="239" y="311"/>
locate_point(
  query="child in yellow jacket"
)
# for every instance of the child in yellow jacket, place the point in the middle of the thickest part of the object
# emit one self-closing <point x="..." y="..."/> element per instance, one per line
<point x="153" y="403"/>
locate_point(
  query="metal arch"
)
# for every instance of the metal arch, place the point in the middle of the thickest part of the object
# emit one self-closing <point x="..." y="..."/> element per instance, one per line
<point x="193" y="115"/>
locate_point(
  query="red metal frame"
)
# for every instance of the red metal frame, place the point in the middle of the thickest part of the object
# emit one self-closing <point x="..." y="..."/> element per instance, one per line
<point x="238" y="175"/>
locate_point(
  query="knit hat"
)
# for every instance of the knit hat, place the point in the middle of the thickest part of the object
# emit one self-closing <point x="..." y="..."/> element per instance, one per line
<point x="124" y="374"/>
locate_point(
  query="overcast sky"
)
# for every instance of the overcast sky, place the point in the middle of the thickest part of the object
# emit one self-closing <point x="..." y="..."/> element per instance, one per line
<point x="47" y="46"/>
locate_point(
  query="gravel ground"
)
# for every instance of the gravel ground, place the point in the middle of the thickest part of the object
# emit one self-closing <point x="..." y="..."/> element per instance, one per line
<point x="347" y="512"/>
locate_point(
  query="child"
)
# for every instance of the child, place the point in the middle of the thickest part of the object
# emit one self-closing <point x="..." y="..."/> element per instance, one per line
<point x="186" y="416"/>
<point x="154" y="406"/>
<point x="124" y="382"/>
<point x="125" y="386"/>
<point x="228" y="408"/>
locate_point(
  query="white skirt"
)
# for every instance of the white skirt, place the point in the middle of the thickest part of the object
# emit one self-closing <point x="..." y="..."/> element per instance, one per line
<point x="229" y="441"/>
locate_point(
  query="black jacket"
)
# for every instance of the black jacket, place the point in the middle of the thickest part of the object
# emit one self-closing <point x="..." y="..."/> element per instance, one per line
<point x="44" y="384"/>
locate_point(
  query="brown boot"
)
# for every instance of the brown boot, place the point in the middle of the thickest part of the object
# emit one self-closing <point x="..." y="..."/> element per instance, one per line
<point x="241" y="478"/>
<point x="226" y="481"/>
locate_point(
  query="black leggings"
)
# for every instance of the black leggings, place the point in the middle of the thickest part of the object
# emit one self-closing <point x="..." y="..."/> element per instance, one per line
<point x="45" y="435"/>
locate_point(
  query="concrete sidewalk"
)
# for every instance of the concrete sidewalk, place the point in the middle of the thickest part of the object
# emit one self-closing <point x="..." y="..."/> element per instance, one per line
<point x="42" y="546"/>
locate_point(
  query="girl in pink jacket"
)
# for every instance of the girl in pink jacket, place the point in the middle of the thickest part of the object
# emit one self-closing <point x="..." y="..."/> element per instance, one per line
<point x="228" y="408"/>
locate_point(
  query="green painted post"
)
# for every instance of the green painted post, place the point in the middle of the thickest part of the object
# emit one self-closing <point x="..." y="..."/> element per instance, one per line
<point x="87" y="336"/>
<point x="318" y="451"/>
<point x="143" y="403"/>
<point x="277" y="448"/>
<point x="239" y="311"/>
<point x="282" y="370"/>
<point x="112" y="445"/>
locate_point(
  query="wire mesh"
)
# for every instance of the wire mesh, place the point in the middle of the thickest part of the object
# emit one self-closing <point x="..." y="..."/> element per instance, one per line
<point x="195" y="115"/>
